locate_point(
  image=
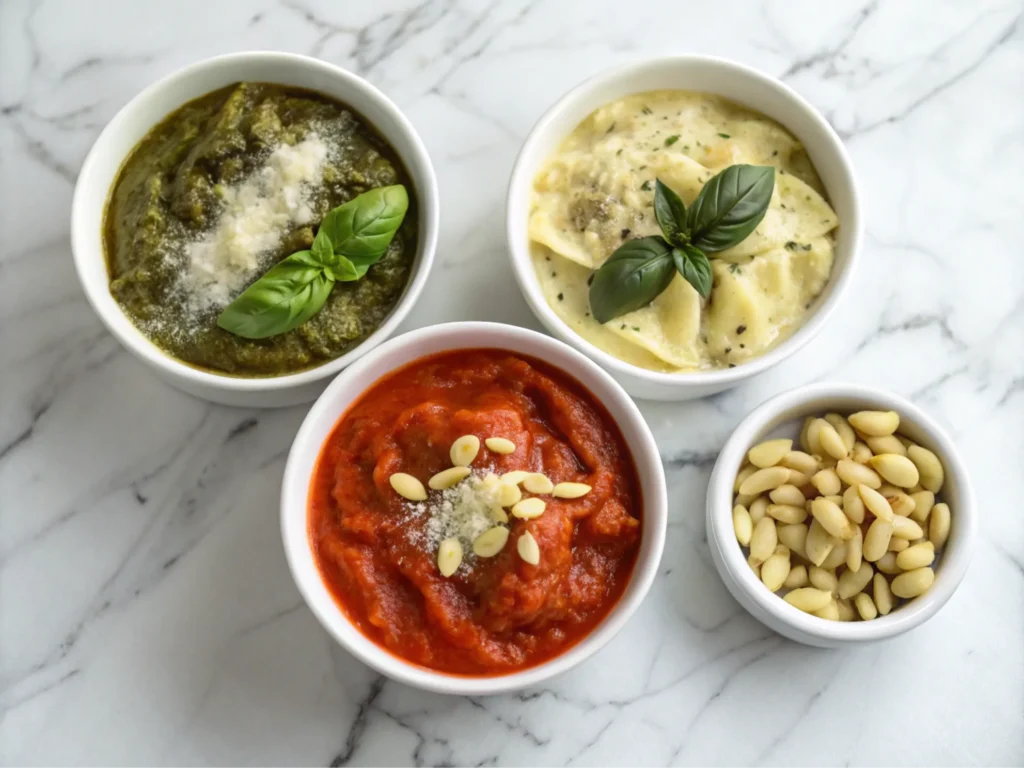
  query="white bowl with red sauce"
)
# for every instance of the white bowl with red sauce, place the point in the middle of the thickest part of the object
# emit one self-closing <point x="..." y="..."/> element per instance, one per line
<point x="403" y="353"/>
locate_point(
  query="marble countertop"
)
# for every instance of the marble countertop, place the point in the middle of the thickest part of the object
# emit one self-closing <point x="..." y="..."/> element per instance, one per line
<point x="146" y="611"/>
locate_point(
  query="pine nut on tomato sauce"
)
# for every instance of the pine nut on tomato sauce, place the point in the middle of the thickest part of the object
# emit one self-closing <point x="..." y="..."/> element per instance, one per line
<point x="377" y="551"/>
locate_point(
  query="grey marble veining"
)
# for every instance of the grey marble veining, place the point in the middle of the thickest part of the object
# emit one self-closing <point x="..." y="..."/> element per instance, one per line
<point x="146" y="611"/>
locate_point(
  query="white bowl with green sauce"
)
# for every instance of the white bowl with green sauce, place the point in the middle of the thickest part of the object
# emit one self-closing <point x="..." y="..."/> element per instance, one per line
<point x="582" y="212"/>
<point x="223" y="226"/>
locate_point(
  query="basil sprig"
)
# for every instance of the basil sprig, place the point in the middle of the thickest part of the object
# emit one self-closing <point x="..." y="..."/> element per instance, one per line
<point x="728" y="208"/>
<point x="351" y="239"/>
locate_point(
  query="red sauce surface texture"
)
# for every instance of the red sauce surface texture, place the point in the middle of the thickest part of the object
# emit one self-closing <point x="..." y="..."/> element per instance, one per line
<point x="494" y="615"/>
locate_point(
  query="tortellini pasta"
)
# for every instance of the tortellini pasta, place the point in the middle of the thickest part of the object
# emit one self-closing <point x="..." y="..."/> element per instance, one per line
<point x="597" y="191"/>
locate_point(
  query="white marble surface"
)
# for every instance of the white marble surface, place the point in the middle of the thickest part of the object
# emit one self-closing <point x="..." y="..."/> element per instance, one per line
<point x="146" y="613"/>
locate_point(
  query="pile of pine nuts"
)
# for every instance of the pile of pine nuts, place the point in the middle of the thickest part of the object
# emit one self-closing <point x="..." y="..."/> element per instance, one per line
<point x="848" y="526"/>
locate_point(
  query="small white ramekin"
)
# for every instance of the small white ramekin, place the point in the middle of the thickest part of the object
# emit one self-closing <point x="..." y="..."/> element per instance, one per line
<point x="693" y="73"/>
<point x="151" y="106"/>
<point x="781" y="417"/>
<point x="400" y="351"/>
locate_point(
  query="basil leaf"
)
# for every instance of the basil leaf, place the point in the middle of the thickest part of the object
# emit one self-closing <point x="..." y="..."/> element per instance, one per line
<point x="322" y="251"/>
<point x="695" y="268"/>
<point x="730" y="206"/>
<point x="670" y="211"/>
<point x="343" y="270"/>
<point x="290" y="293"/>
<point x="362" y="229"/>
<point x="632" y="278"/>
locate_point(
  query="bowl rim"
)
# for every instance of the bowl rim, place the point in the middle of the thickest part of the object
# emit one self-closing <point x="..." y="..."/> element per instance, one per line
<point x="521" y="180"/>
<point x="804" y="400"/>
<point x="644" y="450"/>
<point x="82" y="229"/>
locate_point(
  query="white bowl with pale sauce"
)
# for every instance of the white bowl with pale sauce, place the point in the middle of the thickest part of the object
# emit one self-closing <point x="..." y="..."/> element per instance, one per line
<point x="745" y="88"/>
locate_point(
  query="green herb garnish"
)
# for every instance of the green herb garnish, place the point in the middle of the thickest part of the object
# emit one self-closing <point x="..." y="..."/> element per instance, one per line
<point x="727" y="209"/>
<point x="351" y="239"/>
<point x="724" y="135"/>
<point x="671" y="140"/>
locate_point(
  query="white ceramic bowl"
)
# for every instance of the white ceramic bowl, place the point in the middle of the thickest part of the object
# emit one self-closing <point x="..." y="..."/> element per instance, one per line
<point x="694" y="73"/>
<point x="781" y="417"/>
<point x="151" y="106"/>
<point x="397" y="352"/>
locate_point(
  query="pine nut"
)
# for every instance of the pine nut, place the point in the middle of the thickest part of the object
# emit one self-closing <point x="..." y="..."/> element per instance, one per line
<point x="836" y="557"/>
<point x="741" y="524"/>
<point x="860" y="453"/>
<point x="876" y="503"/>
<point x="876" y="540"/>
<point x="449" y="557"/>
<point x="515" y="477"/>
<point x="801" y="462"/>
<point x="916" y="556"/>
<point x="923" y="503"/>
<point x="408" y="487"/>
<point x="804" y="429"/>
<point x="905" y="528"/>
<point x="852" y="473"/>
<point x="570" y="490"/>
<point x="535" y="482"/>
<point x="490" y="542"/>
<point x="448" y="477"/>
<point x="819" y="543"/>
<point x="846" y="610"/>
<point x="797" y="577"/>
<point x="528" y="549"/>
<point x="939" y="525"/>
<point x="464" y="450"/>
<point x="769" y="453"/>
<point x="831" y="442"/>
<point x="852" y="582"/>
<point x="830" y="611"/>
<point x="765" y="480"/>
<point x="787" y="513"/>
<point x="799" y="479"/>
<point x="865" y="606"/>
<point x="775" y="571"/>
<point x="897" y="545"/>
<point x="886" y="444"/>
<point x="827" y="482"/>
<point x="822" y="579"/>
<point x="842" y="426"/>
<point x="896" y="469"/>
<point x="902" y="505"/>
<point x="508" y="494"/>
<point x="808" y="599"/>
<point x="929" y="467"/>
<point x="874" y="423"/>
<point x="758" y="507"/>
<point x="855" y="550"/>
<point x="831" y="518"/>
<point x="787" y="494"/>
<point x="887" y="564"/>
<point x="500" y="445"/>
<point x="763" y="539"/>
<point x="527" y="509"/>
<point x="793" y="536"/>
<point x="853" y="505"/>
<point x="744" y="473"/>
<point x="882" y="594"/>
<point x="913" y="583"/>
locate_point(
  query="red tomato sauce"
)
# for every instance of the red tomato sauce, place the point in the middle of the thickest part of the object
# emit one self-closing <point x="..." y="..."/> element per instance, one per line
<point x="494" y="615"/>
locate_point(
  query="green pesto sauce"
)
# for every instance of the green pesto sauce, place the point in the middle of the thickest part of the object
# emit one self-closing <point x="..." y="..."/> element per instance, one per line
<point x="167" y="194"/>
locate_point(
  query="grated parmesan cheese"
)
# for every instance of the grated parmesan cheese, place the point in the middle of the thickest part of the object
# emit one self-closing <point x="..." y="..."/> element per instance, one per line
<point x="463" y="511"/>
<point x="256" y="213"/>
